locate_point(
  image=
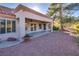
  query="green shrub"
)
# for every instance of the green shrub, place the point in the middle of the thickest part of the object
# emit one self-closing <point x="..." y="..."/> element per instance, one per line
<point x="27" y="37"/>
<point x="77" y="28"/>
<point x="55" y="28"/>
<point x="77" y="40"/>
<point x="77" y="31"/>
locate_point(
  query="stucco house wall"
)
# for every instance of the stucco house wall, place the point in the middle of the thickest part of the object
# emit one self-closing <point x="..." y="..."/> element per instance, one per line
<point x="20" y="17"/>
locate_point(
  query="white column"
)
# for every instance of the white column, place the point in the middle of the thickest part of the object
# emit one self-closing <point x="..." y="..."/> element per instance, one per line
<point x="51" y="26"/>
<point x="21" y="27"/>
<point x="41" y="26"/>
<point x="47" y="28"/>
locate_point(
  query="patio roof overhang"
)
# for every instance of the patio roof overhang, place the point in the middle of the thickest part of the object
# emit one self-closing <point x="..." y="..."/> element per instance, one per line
<point x="7" y="16"/>
<point x="32" y="16"/>
<point x="23" y="11"/>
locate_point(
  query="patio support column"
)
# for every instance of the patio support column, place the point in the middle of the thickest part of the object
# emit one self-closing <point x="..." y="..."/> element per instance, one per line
<point x="21" y="27"/>
<point x="47" y="26"/>
<point x="51" y="26"/>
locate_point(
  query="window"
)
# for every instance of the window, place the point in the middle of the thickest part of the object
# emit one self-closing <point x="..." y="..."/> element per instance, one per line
<point x="9" y="26"/>
<point x="44" y="26"/>
<point x="13" y="26"/>
<point x="2" y="26"/>
<point x="34" y="27"/>
<point x="40" y="26"/>
<point x="31" y="27"/>
<point x="26" y="26"/>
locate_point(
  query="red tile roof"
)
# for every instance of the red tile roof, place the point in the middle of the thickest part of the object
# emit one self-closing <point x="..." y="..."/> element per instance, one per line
<point x="6" y="10"/>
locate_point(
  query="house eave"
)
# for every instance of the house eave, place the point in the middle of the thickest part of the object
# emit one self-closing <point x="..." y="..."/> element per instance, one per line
<point x="7" y="16"/>
<point x="30" y="15"/>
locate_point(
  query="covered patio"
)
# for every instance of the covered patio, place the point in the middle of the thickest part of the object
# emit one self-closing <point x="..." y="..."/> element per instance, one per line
<point x="30" y="21"/>
<point x="20" y="21"/>
<point x="32" y="26"/>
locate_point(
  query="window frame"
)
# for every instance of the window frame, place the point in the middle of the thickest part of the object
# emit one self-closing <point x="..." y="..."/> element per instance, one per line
<point x="6" y="25"/>
<point x="15" y="25"/>
<point x="40" y="26"/>
<point x="9" y="27"/>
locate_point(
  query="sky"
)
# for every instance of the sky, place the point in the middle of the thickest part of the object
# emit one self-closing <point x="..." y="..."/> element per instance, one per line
<point x="40" y="7"/>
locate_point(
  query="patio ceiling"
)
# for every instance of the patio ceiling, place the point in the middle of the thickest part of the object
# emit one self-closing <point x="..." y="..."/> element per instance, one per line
<point x="34" y="20"/>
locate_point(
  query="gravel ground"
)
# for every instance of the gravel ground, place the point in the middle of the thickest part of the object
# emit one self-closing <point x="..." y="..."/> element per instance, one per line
<point x="51" y="44"/>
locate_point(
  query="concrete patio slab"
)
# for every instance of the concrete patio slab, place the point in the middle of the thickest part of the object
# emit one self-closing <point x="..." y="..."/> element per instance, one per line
<point x="38" y="34"/>
<point x="6" y="44"/>
<point x="51" y="44"/>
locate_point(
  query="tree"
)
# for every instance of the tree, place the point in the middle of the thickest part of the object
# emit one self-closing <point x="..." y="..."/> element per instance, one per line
<point x="61" y="16"/>
<point x="55" y="10"/>
<point x="72" y="8"/>
<point x="63" y="10"/>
